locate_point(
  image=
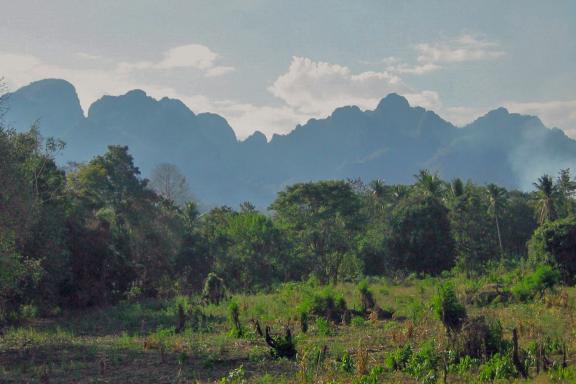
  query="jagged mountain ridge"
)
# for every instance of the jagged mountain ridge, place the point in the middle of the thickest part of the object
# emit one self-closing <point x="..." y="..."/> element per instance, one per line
<point x="391" y="142"/>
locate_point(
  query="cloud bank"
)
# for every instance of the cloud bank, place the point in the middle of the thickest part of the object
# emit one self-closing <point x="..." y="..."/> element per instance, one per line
<point x="306" y="89"/>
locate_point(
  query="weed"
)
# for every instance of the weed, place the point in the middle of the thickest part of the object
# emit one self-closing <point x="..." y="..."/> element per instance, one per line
<point x="498" y="367"/>
<point x="323" y="327"/>
<point x="448" y="308"/>
<point x="236" y="329"/>
<point x="346" y="363"/>
<point x="358" y="321"/>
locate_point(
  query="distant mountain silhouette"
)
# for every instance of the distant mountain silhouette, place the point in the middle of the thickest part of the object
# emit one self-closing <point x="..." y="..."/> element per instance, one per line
<point x="391" y="142"/>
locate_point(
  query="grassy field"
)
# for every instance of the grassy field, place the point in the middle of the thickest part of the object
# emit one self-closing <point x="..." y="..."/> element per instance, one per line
<point x="136" y="342"/>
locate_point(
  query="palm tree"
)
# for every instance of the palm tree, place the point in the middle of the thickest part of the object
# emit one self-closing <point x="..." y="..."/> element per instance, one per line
<point x="496" y="197"/>
<point x="457" y="187"/>
<point x="428" y="183"/>
<point x="378" y="188"/>
<point x="566" y="190"/>
<point x="546" y="192"/>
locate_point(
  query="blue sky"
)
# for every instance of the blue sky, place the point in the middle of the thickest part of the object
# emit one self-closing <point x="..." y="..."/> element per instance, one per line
<point x="268" y="65"/>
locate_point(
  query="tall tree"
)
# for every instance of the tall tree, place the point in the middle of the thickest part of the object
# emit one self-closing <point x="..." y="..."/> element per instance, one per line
<point x="421" y="239"/>
<point x="322" y="219"/>
<point x="472" y="228"/>
<point x="497" y="200"/>
<point x="167" y="181"/>
<point x="429" y="183"/>
<point x="566" y="191"/>
<point x="546" y="192"/>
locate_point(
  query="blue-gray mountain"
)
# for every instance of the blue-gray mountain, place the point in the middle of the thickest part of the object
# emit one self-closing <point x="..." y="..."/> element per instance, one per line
<point x="391" y="142"/>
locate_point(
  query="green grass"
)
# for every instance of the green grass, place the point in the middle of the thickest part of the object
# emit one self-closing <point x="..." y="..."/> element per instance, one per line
<point x="136" y="342"/>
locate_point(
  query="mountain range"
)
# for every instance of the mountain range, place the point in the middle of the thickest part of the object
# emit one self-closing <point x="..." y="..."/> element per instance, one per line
<point x="391" y="142"/>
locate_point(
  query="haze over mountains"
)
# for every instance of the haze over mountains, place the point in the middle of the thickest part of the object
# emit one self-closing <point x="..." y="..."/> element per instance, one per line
<point x="391" y="142"/>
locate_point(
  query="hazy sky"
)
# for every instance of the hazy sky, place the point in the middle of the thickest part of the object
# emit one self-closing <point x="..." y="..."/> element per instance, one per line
<point x="268" y="65"/>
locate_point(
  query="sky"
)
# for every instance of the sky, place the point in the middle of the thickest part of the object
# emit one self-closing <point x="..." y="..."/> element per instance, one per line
<point x="270" y="65"/>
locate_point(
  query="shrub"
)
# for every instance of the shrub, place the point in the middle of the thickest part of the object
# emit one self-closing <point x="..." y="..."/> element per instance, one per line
<point x="422" y="365"/>
<point x="304" y="321"/>
<point x="373" y="377"/>
<point x="325" y="303"/>
<point x="554" y="243"/>
<point x="234" y="319"/>
<point x="235" y="376"/>
<point x="323" y="327"/>
<point x="346" y="363"/>
<point x="398" y="359"/>
<point x="281" y="347"/>
<point x="358" y="321"/>
<point x="214" y="290"/>
<point x="499" y="367"/>
<point x="544" y="277"/>
<point x="448" y="308"/>
<point x="366" y="297"/>
<point x="480" y="338"/>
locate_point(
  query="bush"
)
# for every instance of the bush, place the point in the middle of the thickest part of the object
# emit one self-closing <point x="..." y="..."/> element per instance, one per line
<point x="544" y="277"/>
<point x="346" y="363"/>
<point x="323" y="327"/>
<point x="398" y="360"/>
<point x="358" y="321"/>
<point x="448" y="308"/>
<point x="480" y="338"/>
<point x="325" y="303"/>
<point x="422" y="365"/>
<point x="554" y="243"/>
<point x="234" y="319"/>
<point x="499" y="367"/>
<point x="214" y="290"/>
<point x="367" y="299"/>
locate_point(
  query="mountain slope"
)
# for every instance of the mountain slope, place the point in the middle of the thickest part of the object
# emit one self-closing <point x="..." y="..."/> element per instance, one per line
<point x="391" y="142"/>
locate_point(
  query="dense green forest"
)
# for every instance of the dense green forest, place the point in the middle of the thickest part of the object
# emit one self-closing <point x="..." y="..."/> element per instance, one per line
<point x="97" y="234"/>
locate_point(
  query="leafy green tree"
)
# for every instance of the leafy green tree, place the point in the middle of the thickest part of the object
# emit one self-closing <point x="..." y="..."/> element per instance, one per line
<point x="555" y="243"/>
<point x="145" y="230"/>
<point x="518" y="223"/>
<point x="421" y="238"/>
<point x="322" y="219"/>
<point x="32" y="206"/>
<point x="472" y="228"/>
<point x="254" y="257"/>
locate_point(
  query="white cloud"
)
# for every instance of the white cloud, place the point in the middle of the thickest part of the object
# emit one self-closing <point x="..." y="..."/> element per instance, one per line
<point x="317" y="88"/>
<point x="191" y="55"/>
<point x="432" y="57"/>
<point x="219" y="71"/>
<point x="461" y="49"/>
<point x="246" y="118"/>
<point x="88" y="56"/>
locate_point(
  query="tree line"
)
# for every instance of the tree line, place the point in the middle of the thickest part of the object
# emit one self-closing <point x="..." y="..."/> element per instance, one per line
<point x="95" y="233"/>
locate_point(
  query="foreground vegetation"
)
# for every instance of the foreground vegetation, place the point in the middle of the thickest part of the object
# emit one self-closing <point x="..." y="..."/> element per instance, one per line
<point x="142" y="342"/>
<point x="109" y="277"/>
